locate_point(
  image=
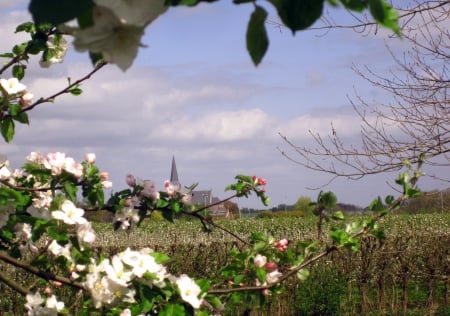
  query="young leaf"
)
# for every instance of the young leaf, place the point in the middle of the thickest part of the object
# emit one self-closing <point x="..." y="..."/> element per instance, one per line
<point x="298" y="15"/>
<point x="18" y="71"/>
<point x="338" y="216"/>
<point x="22" y="117"/>
<point x="303" y="274"/>
<point x="257" y="41"/>
<point x="7" y="129"/>
<point x="384" y="14"/>
<point x="58" y="11"/>
<point x="76" y="91"/>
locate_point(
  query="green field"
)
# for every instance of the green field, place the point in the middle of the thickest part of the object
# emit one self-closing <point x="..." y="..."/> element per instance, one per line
<point x="406" y="274"/>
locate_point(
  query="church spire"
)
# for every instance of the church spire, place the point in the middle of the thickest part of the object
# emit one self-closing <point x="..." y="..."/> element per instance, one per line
<point x="173" y="173"/>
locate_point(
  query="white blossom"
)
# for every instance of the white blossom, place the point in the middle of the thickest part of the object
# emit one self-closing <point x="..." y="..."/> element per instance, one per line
<point x="189" y="290"/>
<point x="117" y="29"/>
<point x="12" y="86"/>
<point x="70" y="214"/>
<point x="57" y="50"/>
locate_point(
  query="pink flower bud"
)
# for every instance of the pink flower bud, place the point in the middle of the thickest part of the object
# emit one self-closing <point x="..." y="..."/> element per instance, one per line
<point x="270" y="266"/>
<point x="260" y="261"/>
<point x="48" y="290"/>
<point x="104" y="175"/>
<point x="131" y="180"/>
<point x="90" y="157"/>
<point x="265" y="292"/>
<point x="262" y="181"/>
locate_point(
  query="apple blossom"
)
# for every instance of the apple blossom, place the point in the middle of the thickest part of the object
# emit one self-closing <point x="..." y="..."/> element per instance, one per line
<point x="26" y="99"/>
<point x="130" y="180"/>
<point x="281" y="244"/>
<point x="55" y="162"/>
<point x="135" y="12"/>
<point x="270" y="266"/>
<point x="172" y="188"/>
<point x="56" y="50"/>
<point x="5" y="173"/>
<point x="73" y="167"/>
<point x="12" y="86"/>
<point x="53" y="304"/>
<point x="33" y="304"/>
<point x="86" y="233"/>
<point x="189" y="290"/>
<point x="107" y="184"/>
<point x="5" y="211"/>
<point x="116" y="271"/>
<point x="34" y="157"/>
<point x="260" y="260"/>
<point x="58" y="250"/>
<point x="70" y="214"/>
<point x="90" y="157"/>
<point x="273" y="277"/>
<point x="149" y="190"/>
<point x="104" y="175"/>
<point x="126" y="216"/>
<point x="43" y="212"/>
<point x="116" y="41"/>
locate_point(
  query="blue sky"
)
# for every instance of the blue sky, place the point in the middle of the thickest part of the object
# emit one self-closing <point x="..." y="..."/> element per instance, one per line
<point x="194" y="93"/>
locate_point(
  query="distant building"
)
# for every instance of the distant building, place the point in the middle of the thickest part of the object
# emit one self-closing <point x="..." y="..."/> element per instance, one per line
<point x="202" y="197"/>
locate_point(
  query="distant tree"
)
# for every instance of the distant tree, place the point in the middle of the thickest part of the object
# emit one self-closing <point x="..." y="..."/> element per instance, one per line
<point x="415" y="124"/>
<point x="304" y="204"/>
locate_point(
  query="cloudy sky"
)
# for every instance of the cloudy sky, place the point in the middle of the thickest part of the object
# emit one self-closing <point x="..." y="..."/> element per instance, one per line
<point x="194" y="93"/>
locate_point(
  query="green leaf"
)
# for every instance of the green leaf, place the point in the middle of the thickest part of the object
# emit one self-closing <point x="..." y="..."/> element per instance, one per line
<point x="7" y="55"/>
<point x="376" y="205"/>
<point x="14" y="109"/>
<point x="75" y="91"/>
<point x="25" y="27"/>
<point x="7" y="129"/>
<point x="298" y="15"/>
<point x="355" y="5"/>
<point x="22" y="117"/>
<point x="20" y="48"/>
<point x="18" y="71"/>
<point x="338" y="216"/>
<point x="261" y="274"/>
<point x="160" y="258"/>
<point x="258" y="237"/>
<point x="58" y="11"/>
<point x="172" y="310"/>
<point x="257" y="41"/>
<point x="71" y="190"/>
<point x="384" y="14"/>
<point x="303" y="274"/>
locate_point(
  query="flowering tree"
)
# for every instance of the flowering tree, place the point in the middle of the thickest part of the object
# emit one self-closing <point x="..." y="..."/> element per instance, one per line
<point x="42" y="205"/>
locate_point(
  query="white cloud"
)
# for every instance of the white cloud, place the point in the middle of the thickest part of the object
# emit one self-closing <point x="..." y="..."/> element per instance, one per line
<point x="221" y="126"/>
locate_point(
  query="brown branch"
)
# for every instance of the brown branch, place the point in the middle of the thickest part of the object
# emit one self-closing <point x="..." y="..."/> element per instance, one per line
<point x="13" y="285"/>
<point x="63" y="91"/>
<point x="42" y="274"/>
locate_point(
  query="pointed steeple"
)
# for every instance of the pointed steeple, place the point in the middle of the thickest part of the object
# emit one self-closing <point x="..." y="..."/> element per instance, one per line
<point x="173" y="173"/>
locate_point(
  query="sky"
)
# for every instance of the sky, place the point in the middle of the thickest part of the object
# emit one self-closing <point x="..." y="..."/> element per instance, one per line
<point x="193" y="93"/>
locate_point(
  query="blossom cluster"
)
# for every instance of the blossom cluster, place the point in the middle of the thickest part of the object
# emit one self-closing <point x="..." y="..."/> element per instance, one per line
<point x="110" y="281"/>
<point x="128" y="216"/>
<point x="14" y="91"/>
<point x="38" y="305"/>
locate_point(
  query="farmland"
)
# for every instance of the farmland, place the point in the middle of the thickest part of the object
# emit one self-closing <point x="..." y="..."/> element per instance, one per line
<point x="408" y="273"/>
